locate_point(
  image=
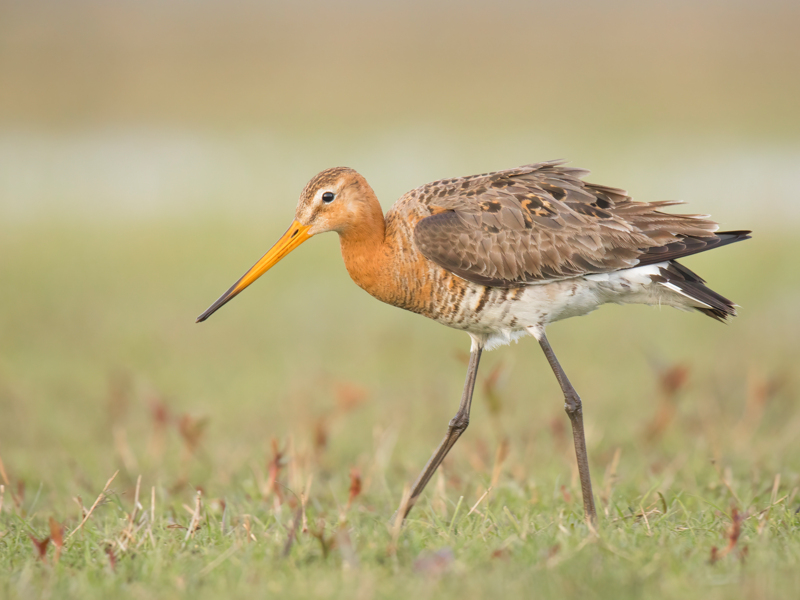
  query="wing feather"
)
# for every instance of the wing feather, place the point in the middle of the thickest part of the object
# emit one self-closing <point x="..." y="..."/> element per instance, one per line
<point x="542" y="222"/>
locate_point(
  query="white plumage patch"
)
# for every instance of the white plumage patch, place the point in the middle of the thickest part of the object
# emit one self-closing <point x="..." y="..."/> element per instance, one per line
<point x="506" y="321"/>
<point x="678" y="290"/>
<point x="501" y="338"/>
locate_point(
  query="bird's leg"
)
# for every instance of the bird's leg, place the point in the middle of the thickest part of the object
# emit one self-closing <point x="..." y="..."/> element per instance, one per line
<point x="457" y="426"/>
<point x="572" y="404"/>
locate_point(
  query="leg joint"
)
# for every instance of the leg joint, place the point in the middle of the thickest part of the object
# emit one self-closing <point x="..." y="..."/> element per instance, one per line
<point x="459" y="423"/>
<point x="572" y="403"/>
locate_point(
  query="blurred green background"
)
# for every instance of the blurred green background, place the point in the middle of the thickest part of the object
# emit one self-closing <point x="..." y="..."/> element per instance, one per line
<point x="151" y="151"/>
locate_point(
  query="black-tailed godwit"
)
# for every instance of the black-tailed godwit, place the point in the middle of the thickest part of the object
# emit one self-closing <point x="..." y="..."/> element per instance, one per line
<point x="502" y="255"/>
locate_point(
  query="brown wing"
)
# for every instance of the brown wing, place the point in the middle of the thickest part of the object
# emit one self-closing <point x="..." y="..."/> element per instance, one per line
<point x="541" y="222"/>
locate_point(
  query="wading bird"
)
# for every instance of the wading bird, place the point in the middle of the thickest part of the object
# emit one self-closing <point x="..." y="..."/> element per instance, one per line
<point x="502" y="255"/>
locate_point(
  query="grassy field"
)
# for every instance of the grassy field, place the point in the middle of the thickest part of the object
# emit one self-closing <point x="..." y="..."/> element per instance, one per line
<point x="150" y="152"/>
<point x="301" y="411"/>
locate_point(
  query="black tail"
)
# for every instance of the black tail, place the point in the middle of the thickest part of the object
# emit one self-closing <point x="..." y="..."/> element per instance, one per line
<point x="692" y="285"/>
<point x="688" y="282"/>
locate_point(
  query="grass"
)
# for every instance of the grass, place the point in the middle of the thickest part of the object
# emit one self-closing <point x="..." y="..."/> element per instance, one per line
<point x="271" y="445"/>
<point x="263" y="453"/>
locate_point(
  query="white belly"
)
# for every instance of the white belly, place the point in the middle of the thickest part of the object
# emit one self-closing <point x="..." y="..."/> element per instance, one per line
<point x="536" y="306"/>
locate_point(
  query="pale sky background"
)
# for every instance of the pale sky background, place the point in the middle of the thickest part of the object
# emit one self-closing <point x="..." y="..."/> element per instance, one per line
<point x="180" y="110"/>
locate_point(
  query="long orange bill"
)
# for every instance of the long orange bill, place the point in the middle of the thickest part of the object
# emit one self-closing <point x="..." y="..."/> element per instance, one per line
<point x="294" y="236"/>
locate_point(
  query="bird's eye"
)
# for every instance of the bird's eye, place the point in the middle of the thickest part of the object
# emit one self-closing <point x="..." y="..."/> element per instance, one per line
<point x="328" y="197"/>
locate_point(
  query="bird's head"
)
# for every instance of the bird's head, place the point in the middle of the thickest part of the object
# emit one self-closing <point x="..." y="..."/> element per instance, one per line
<point x="334" y="200"/>
<point x="337" y="199"/>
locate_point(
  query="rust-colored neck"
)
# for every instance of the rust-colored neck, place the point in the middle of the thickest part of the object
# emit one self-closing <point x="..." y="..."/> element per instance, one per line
<point x="364" y="246"/>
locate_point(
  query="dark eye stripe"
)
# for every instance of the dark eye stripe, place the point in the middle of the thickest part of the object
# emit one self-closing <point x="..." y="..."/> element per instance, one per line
<point x="328" y="197"/>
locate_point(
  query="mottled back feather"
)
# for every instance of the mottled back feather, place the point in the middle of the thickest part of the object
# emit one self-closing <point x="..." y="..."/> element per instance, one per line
<point x="542" y="222"/>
